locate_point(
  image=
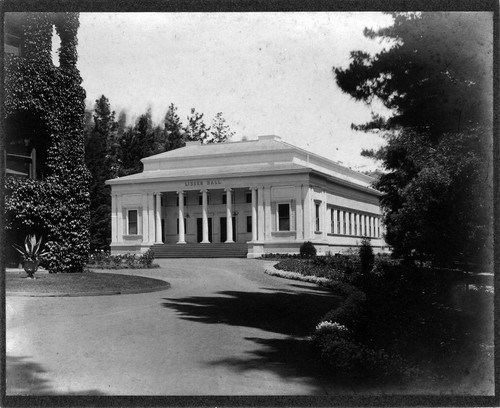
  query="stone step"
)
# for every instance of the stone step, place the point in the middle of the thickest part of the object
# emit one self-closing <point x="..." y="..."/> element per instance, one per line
<point x="216" y="250"/>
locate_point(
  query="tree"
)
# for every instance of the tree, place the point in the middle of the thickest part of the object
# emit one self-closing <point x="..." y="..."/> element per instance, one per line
<point x="436" y="77"/>
<point x="196" y="128"/>
<point x="220" y="131"/>
<point x="174" y="133"/>
<point x="101" y="157"/>
<point x="438" y="154"/>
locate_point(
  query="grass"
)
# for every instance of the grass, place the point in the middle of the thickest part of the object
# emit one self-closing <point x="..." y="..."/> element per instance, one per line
<point x="87" y="283"/>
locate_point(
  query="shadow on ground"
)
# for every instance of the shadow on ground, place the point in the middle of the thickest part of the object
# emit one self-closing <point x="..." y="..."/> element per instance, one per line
<point x="286" y="312"/>
<point x="24" y="377"/>
<point x="289" y="312"/>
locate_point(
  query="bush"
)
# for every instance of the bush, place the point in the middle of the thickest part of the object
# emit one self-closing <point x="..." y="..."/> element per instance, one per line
<point x="104" y="260"/>
<point x="366" y="255"/>
<point x="353" y="359"/>
<point x="307" y="250"/>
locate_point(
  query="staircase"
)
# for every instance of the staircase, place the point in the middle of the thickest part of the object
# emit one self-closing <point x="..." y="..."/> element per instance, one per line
<point x="215" y="250"/>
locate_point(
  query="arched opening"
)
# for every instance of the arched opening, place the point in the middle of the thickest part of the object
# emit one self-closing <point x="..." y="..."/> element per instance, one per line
<point x="27" y="143"/>
<point x="56" y="46"/>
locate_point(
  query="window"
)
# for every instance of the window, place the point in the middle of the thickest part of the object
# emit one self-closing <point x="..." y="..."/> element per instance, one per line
<point x="349" y="215"/>
<point x="317" y="216"/>
<point x="338" y="223"/>
<point x="355" y="224"/>
<point x="185" y="229"/>
<point x="248" y="197"/>
<point x="344" y="230"/>
<point x="177" y="202"/>
<point x="132" y="222"/>
<point x="332" y="220"/>
<point x="224" y="198"/>
<point x="378" y="227"/>
<point x="200" y="199"/>
<point x="283" y="217"/>
<point x="249" y="223"/>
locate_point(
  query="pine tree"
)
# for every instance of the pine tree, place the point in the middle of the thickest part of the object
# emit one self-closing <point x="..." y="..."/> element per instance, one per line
<point x="174" y="133"/>
<point x="220" y="131"/>
<point x="196" y="128"/>
<point x="101" y="159"/>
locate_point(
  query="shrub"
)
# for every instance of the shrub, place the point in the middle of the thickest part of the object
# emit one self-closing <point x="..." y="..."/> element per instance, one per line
<point x="147" y="258"/>
<point x="366" y="255"/>
<point x="307" y="250"/>
<point x="353" y="359"/>
<point x="104" y="260"/>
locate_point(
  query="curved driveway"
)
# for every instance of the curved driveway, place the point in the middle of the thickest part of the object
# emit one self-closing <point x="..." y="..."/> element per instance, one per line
<point x="223" y="328"/>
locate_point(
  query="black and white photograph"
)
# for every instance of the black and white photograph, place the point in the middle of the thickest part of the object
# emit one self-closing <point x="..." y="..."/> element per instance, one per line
<point x="249" y="207"/>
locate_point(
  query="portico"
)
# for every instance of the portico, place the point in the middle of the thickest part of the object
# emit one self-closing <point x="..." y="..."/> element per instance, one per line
<point x="266" y="193"/>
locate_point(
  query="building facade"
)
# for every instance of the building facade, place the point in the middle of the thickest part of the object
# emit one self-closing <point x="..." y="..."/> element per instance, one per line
<point x="266" y="193"/>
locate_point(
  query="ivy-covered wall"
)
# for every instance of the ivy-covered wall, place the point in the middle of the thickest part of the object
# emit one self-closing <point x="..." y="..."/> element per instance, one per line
<point x="58" y="205"/>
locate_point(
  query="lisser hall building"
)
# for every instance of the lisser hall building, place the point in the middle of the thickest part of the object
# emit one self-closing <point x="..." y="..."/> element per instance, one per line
<point x="261" y="196"/>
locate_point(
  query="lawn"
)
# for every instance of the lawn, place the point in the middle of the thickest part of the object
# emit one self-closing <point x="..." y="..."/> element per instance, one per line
<point x="74" y="284"/>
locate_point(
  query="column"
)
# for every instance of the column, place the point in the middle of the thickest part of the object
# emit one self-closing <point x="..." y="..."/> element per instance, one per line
<point x="254" y="214"/>
<point x="299" y="213"/>
<point x="182" y="233"/>
<point x="145" y="220"/>
<point x="204" y="211"/>
<point x="372" y="226"/>
<point x="229" y="216"/>
<point x="119" y="218"/>
<point x="151" y="218"/>
<point x="363" y="225"/>
<point x="260" y="214"/>
<point x="341" y="226"/>
<point x="158" y="219"/>
<point x="114" y="219"/>
<point x="356" y="223"/>
<point x="267" y="213"/>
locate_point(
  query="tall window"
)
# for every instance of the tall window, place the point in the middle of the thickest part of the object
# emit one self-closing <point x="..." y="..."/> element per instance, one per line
<point x="350" y="222"/>
<point x="132" y="222"/>
<point x="185" y="201"/>
<point x="378" y="227"/>
<point x="249" y="223"/>
<point x="355" y="224"/>
<point x="283" y="217"/>
<point x="317" y="217"/>
<point x="224" y="198"/>
<point x="185" y="226"/>
<point x="200" y="199"/>
<point x="332" y="220"/>
<point x="248" y="197"/>
<point x="344" y="230"/>
<point x="338" y="223"/>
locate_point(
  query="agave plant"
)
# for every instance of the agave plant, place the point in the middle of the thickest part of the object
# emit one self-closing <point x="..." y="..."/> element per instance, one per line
<point x="31" y="253"/>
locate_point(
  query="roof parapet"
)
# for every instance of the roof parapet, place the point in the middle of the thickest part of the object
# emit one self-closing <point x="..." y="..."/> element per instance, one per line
<point x="269" y="137"/>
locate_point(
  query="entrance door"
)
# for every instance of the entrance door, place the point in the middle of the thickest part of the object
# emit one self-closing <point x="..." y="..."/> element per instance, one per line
<point x="223" y="229"/>
<point x="199" y="229"/>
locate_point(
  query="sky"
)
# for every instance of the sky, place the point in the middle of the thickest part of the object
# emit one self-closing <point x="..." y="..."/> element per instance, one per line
<point x="268" y="73"/>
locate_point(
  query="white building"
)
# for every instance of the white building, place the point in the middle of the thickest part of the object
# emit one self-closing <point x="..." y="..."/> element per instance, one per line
<point x="265" y="193"/>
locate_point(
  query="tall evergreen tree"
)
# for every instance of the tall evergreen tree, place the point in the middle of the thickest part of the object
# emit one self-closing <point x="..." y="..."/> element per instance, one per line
<point x="220" y="131"/>
<point x="174" y="133"/>
<point x="101" y="160"/>
<point x="196" y="128"/>
<point x="438" y="83"/>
